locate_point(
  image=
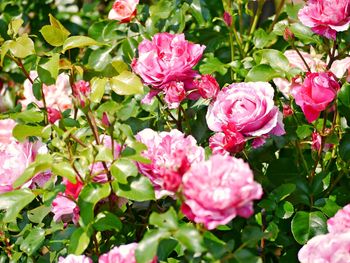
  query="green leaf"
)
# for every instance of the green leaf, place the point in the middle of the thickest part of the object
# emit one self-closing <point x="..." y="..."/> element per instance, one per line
<point x="190" y="238"/>
<point x="37" y="214"/>
<point x="282" y="192"/>
<point x="30" y="116"/>
<point x="79" y="241"/>
<point x="64" y="169"/>
<point x="14" y="26"/>
<point x="304" y="131"/>
<point x="36" y="87"/>
<point x="107" y="221"/>
<point x="245" y="256"/>
<point x="262" y="39"/>
<point x="251" y="235"/>
<point x="13" y="202"/>
<point x="79" y="42"/>
<point x="33" y="241"/>
<point x="304" y="33"/>
<point x="42" y="163"/>
<point x="99" y="59"/>
<point x="127" y="83"/>
<point x="285" y="210"/>
<point x="293" y="9"/>
<point x="22" y="47"/>
<point x="161" y="10"/>
<point x="211" y="65"/>
<point x="54" y="22"/>
<point x="90" y="195"/>
<point x="327" y="206"/>
<point x="147" y="248"/>
<point x="215" y="246"/>
<point x="98" y="87"/>
<point x="262" y="72"/>
<point x="276" y="59"/>
<point x="53" y="35"/>
<point x="307" y="225"/>
<point x="167" y="220"/>
<point x="123" y="168"/>
<point x="344" y="95"/>
<point x="138" y="189"/>
<point x="119" y="66"/>
<point x="22" y="131"/>
<point x="344" y="147"/>
<point x="5" y="47"/>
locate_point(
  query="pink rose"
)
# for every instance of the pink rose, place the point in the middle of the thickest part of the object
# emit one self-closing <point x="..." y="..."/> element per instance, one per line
<point x="57" y="96"/>
<point x="121" y="254"/>
<point x="174" y="94"/>
<point x="6" y="127"/>
<point x="295" y="61"/>
<point x="326" y="17"/>
<point x="123" y="10"/>
<point x="229" y="141"/>
<point x="316" y="93"/>
<point x="340" y="222"/>
<point x="218" y="190"/>
<point x="168" y="57"/>
<point x="287" y="110"/>
<point x="329" y="248"/>
<point x="207" y="87"/>
<point x="249" y="107"/>
<point x="171" y="155"/>
<point x="65" y="209"/>
<point x="74" y="259"/>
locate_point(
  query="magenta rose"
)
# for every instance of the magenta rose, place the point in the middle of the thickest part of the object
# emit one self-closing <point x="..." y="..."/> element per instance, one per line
<point x="123" y="10"/>
<point x="121" y="254"/>
<point x="171" y="154"/>
<point x="249" y="107"/>
<point x="74" y="259"/>
<point x="329" y="248"/>
<point x="340" y="222"/>
<point x="218" y="190"/>
<point x="326" y="17"/>
<point x="316" y="93"/>
<point x="166" y="58"/>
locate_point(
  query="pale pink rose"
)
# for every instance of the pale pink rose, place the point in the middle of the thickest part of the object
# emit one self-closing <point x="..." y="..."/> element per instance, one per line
<point x="326" y="17"/>
<point x="168" y="57"/>
<point x="174" y="94"/>
<point x="207" y="87"/>
<point x="171" y="155"/>
<point x="340" y="222"/>
<point x="227" y="142"/>
<point x="249" y="107"/>
<point x="295" y="61"/>
<point x="329" y="248"/>
<point x="57" y="96"/>
<point x="65" y="209"/>
<point x="74" y="259"/>
<point x="218" y="190"/>
<point x="14" y="159"/>
<point x="123" y="10"/>
<point x="121" y="254"/>
<point x="6" y="127"/>
<point x="316" y="93"/>
<point x="340" y="67"/>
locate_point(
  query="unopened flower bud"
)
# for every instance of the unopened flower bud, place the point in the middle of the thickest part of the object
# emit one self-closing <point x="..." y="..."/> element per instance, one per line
<point x="105" y="120"/>
<point x="287" y="110"/>
<point x="288" y="34"/>
<point x="227" y="19"/>
<point x="53" y="115"/>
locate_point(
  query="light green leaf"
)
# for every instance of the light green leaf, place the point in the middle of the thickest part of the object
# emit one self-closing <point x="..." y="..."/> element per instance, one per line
<point x="64" y="169"/>
<point x="79" y="42"/>
<point x="22" y="47"/>
<point x="123" y="168"/>
<point x="98" y="87"/>
<point x="262" y="72"/>
<point x="14" y="26"/>
<point x="138" y="189"/>
<point x="33" y="241"/>
<point x="22" y="131"/>
<point x="127" y="83"/>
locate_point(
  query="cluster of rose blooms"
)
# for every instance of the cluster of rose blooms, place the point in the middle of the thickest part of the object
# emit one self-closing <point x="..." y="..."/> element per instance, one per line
<point x="213" y="191"/>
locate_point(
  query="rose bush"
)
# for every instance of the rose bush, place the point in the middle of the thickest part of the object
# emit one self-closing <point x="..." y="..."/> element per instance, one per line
<point x="174" y="131"/>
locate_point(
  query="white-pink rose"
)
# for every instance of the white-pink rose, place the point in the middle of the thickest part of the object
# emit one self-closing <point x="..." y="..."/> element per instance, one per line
<point x="171" y="154"/>
<point x="340" y="222"/>
<point x="218" y="190"/>
<point x="123" y="10"/>
<point x="74" y="259"/>
<point x="65" y="209"/>
<point x="249" y="107"/>
<point x="326" y="17"/>
<point x="57" y="96"/>
<point x="329" y="248"/>
<point x="340" y="67"/>
<point x="121" y="254"/>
